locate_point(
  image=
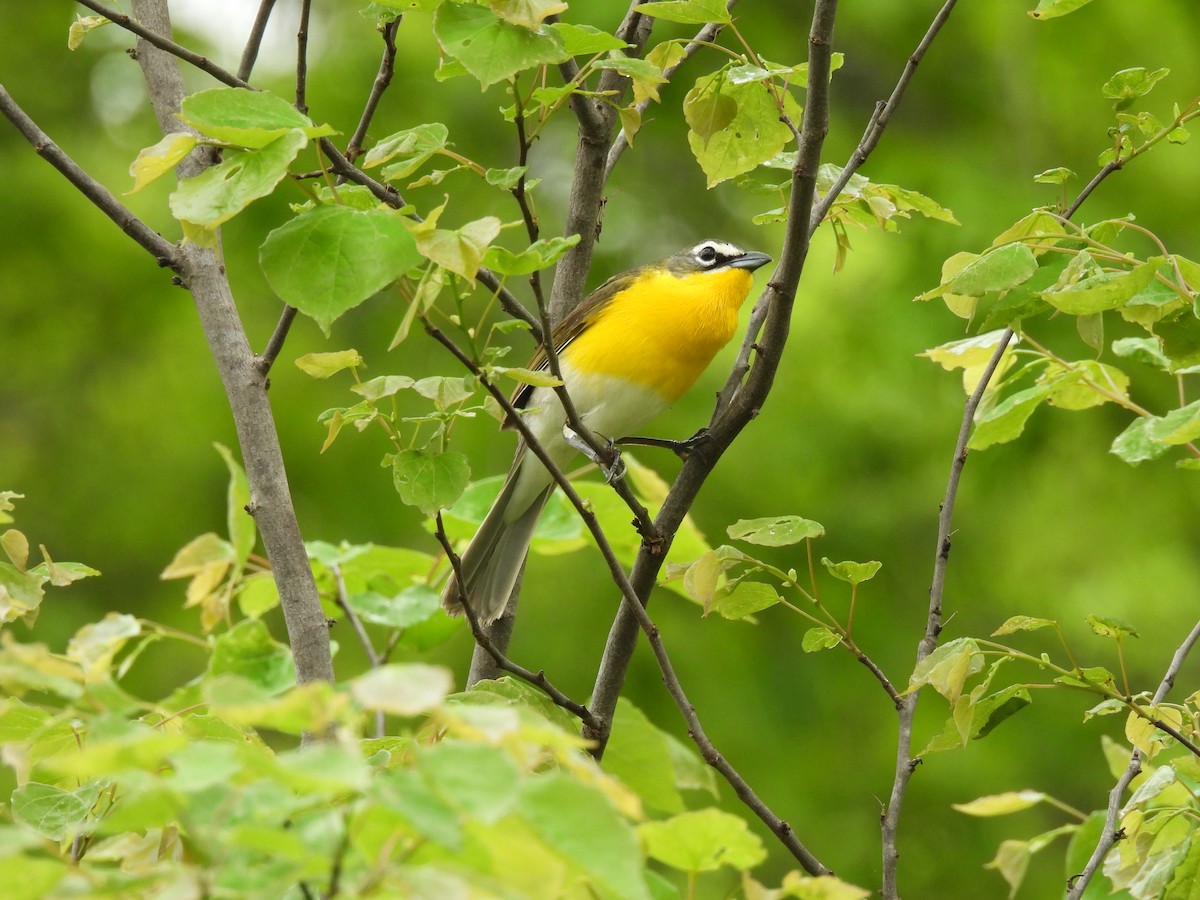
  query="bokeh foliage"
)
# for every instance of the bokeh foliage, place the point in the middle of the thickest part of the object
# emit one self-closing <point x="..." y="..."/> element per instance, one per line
<point x="110" y="406"/>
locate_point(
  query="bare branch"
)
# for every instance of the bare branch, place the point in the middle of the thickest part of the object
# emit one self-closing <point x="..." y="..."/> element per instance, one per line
<point x="387" y="67"/>
<point x="164" y="252"/>
<point x="905" y="765"/>
<point x="134" y="25"/>
<point x="537" y="679"/>
<point x="1110" y="835"/>
<point x="264" y="362"/>
<point x="342" y="598"/>
<point x="254" y="41"/>
<point x="302" y="57"/>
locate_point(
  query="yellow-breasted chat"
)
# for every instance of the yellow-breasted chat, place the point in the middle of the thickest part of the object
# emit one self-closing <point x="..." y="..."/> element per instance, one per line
<point x="626" y="353"/>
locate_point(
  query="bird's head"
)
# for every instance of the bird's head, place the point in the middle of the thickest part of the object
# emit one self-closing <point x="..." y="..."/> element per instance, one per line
<point x="714" y="256"/>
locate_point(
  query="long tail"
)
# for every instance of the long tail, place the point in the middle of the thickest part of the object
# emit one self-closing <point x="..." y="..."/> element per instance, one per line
<point x="494" y="558"/>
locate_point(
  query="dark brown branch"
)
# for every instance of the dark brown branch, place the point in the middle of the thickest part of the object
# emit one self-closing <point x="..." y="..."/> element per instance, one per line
<point x="778" y="301"/>
<point x="302" y="57"/>
<point x="537" y="679"/>
<point x="254" y="41"/>
<point x="1110" y="835"/>
<point x="264" y="362"/>
<point x="131" y="24"/>
<point x="164" y="252"/>
<point x="387" y="68"/>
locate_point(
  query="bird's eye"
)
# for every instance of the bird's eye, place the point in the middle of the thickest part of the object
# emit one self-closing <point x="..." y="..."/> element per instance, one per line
<point x="706" y="254"/>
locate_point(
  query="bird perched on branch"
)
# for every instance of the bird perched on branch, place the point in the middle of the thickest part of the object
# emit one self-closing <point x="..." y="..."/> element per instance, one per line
<point x="626" y="353"/>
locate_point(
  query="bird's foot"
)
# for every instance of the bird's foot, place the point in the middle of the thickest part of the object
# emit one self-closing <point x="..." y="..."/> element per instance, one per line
<point x="613" y="467"/>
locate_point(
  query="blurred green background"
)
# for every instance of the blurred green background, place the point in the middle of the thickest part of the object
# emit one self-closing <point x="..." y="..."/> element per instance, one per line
<point x="109" y="403"/>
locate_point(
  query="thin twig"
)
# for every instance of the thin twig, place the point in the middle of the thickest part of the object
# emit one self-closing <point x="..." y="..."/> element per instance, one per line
<point x="537" y="679"/>
<point x="275" y="344"/>
<point x="342" y="598"/>
<point x="905" y="765"/>
<point x="254" y="41"/>
<point x="387" y="67"/>
<point x="164" y="252"/>
<point x="203" y="63"/>
<point x="882" y="116"/>
<point x="302" y="57"/>
<point x="1110" y="835"/>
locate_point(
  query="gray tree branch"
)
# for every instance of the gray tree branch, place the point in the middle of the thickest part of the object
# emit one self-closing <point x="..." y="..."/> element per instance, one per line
<point x="203" y="273"/>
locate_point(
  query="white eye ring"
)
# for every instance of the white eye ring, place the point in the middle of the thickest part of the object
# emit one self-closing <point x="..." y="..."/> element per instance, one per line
<point x="707" y="254"/>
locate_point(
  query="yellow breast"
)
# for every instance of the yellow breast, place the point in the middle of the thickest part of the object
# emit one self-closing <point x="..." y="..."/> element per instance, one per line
<point x="662" y="331"/>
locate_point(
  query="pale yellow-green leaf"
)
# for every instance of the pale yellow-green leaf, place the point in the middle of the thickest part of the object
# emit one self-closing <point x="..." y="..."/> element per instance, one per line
<point x="1001" y="804"/>
<point x="16" y="547"/>
<point x="403" y="689"/>
<point x="322" y="365"/>
<point x="160" y="158"/>
<point x="197" y="554"/>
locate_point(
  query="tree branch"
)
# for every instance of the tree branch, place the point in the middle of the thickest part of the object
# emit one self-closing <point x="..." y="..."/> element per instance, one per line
<point x="1077" y="884"/>
<point x="164" y="252"/>
<point x="302" y="57"/>
<point x="136" y="25"/>
<point x="778" y="299"/>
<point x="383" y="78"/>
<point x="254" y="41"/>
<point x="342" y="598"/>
<point x="270" y="498"/>
<point x="537" y="679"/>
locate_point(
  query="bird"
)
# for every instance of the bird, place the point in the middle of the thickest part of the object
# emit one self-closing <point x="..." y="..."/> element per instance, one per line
<point x="628" y="351"/>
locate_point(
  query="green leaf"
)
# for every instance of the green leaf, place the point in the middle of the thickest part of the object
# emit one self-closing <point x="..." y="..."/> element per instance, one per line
<point x="248" y="651"/>
<point x="948" y="667"/>
<point x="852" y="572"/>
<point x="1006" y="420"/>
<point x="322" y="365"/>
<point x="527" y="13"/>
<point x="1001" y="804"/>
<point x="539" y="255"/>
<point x="156" y="160"/>
<point x="479" y="780"/>
<point x="1090" y="676"/>
<point x="94" y="646"/>
<point x="403" y="689"/>
<point x="734" y="127"/>
<point x="505" y="179"/>
<point x="819" y="638"/>
<point x="81" y="27"/>
<point x="1129" y="84"/>
<point x="430" y="481"/>
<point x="1023" y="623"/>
<point x="48" y="810"/>
<point x="687" y="12"/>
<point x="1179" y="426"/>
<point x="258" y="595"/>
<point x="407" y="793"/>
<point x="412" y="605"/>
<point x="703" y="840"/>
<point x="242" y="531"/>
<point x="700" y="579"/>
<point x="246" y="118"/>
<point x="745" y="599"/>
<point x="1137" y="443"/>
<point x="330" y="259"/>
<point x="490" y="48"/>
<point x="1054" y="176"/>
<point x="1052" y="9"/>
<point x="638" y="754"/>
<point x="413" y="145"/>
<point x="999" y="269"/>
<point x="579" y="823"/>
<point x="461" y="250"/>
<point x="1106" y="290"/>
<point x="383" y="386"/>
<point x="1113" y="628"/>
<point x="584" y="40"/>
<point x="644" y="75"/>
<point x="774" y="531"/>
<point x="219" y="193"/>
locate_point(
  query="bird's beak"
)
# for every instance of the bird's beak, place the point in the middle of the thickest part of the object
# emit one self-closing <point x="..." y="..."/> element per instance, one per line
<point x="751" y="261"/>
